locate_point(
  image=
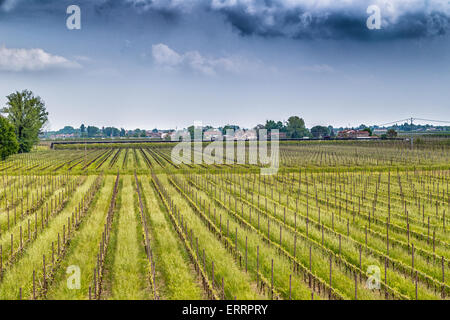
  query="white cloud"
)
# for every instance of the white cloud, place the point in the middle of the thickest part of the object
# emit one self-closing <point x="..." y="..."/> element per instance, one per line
<point x="19" y="60"/>
<point x="195" y="61"/>
<point x="163" y="55"/>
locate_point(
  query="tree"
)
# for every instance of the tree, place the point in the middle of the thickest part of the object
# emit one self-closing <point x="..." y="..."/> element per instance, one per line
<point x="111" y="132"/>
<point x="368" y="130"/>
<point x="67" y="130"/>
<point x="331" y="131"/>
<point x="138" y="133"/>
<point x="391" y="133"/>
<point x="92" y="131"/>
<point x="82" y="130"/>
<point x="196" y="130"/>
<point x="272" y="125"/>
<point x="28" y="115"/>
<point x="230" y="127"/>
<point x="122" y="132"/>
<point x="319" y="131"/>
<point x="8" y="140"/>
<point x="207" y="128"/>
<point x="295" y="128"/>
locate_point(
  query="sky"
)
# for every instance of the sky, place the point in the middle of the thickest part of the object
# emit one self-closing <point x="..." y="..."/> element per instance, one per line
<point x="168" y="63"/>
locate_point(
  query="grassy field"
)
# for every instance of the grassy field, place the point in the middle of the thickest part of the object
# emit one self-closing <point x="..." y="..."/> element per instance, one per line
<point x="339" y="220"/>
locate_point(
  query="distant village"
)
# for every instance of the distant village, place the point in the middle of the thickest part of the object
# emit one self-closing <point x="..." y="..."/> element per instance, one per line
<point x="211" y="134"/>
<point x="171" y="134"/>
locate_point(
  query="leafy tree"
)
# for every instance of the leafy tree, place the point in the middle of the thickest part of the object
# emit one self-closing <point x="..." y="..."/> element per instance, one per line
<point x="111" y="132"/>
<point x="206" y="128"/>
<point x="67" y="130"/>
<point x="271" y="125"/>
<point x="92" y="131"/>
<point x="391" y="133"/>
<point x="122" y="132"/>
<point x="83" y="130"/>
<point x="139" y="133"/>
<point x="319" y="131"/>
<point x="230" y="127"/>
<point x="8" y="140"/>
<point x="368" y="130"/>
<point x="331" y="131"/>
<point x="295" y="128"/>
<point x="28" y="115"/>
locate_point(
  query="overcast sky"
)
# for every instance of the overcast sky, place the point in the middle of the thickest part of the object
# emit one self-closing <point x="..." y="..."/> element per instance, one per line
<point x="166" y="64"/>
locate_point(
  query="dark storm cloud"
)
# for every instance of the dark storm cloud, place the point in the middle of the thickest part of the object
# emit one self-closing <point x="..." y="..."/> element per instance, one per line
<point x="297" y="19"/>
<point x="336" y="20"/>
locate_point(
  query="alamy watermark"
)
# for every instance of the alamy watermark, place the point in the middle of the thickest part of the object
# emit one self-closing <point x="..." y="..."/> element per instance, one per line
<point x="253" y="147"/>
<point x="374" y="280"/>
<point x="374" y="20"/>
<point x="73" y="22"/>
<point x="74" y="278"/>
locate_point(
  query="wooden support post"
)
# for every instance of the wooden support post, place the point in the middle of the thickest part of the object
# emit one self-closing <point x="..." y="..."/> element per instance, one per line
<point x="34" y="285"/>
<point x="271" y="282"/>
<point x="257" y="264"/>
<point x="416" y="280"/>
<point x="290" y="287"/>
<point x="339" y="244"/>
<point x="387" y="235"/>
<point x="246" y="254"/>
<point x="331" y="266"/>
<point x="310" y="260"/>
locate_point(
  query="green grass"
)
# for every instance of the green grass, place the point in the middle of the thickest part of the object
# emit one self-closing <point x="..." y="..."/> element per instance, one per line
<point x="237" y="283"/>
<point x="128" y="272"/>
<point x="21" y="273"/>
<point x="176" y="278"/>
<point x="83" y="249"/>
<point x="335" y="176"/>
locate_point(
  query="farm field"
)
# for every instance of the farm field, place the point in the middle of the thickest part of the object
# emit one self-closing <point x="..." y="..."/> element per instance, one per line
<point x="365" y="220"/>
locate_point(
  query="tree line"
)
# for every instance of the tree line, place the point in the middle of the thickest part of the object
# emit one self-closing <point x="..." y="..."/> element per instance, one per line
<point x="96" y="132"/>
<point x="295" y="128"/>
